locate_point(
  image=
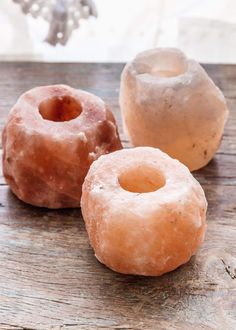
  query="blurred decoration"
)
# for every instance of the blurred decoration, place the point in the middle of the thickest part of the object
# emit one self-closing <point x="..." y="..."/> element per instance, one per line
<point x="63" y="16"/>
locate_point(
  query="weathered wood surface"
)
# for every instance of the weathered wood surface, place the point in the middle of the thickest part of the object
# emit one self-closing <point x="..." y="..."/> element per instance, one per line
<point x="49" y="278"/>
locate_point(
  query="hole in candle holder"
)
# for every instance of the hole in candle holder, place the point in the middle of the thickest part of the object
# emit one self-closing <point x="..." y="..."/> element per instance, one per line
<point x="163" y="64"/>
<point x="63" y="108"/>
<point x="141" y="179"/>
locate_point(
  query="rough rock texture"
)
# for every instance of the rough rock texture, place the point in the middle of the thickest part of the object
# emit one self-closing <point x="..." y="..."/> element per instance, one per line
<point x="169" y="102"/>
<point x="144" y="211"/>
<point x="52" y="136"/>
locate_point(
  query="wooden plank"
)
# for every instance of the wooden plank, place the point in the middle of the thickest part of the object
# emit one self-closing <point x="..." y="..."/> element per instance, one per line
<point x="49" y="278"/>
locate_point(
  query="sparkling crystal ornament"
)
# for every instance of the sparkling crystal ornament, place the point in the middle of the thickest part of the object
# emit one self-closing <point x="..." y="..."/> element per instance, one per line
<point x="63" y="15"/>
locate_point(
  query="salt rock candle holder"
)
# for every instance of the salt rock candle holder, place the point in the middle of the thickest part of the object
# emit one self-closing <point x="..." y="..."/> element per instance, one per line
<point x="168" y="101"/>
<point x="144" y="211"/>
<point x="52" y="136"/>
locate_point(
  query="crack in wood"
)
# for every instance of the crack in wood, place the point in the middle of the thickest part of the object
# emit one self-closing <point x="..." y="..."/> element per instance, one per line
<point x="12" y="327"/>
<point x="231" y="272"/>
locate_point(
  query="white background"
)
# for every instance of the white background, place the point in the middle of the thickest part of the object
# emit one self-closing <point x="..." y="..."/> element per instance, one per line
<point x="204" y="29"/>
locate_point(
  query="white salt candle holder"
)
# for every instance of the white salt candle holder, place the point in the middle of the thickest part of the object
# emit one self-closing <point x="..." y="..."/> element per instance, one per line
<point x="168" y="101"/>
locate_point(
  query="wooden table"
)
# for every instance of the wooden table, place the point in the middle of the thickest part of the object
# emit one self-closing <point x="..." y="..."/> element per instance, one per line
<point x="49" y="277"/>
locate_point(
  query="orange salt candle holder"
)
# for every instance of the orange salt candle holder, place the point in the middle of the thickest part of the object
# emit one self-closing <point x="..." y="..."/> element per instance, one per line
<point x="144" y="211"/>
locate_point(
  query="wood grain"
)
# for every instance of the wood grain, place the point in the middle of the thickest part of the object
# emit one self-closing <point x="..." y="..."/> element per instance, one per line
<point x="49" y="278"/>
